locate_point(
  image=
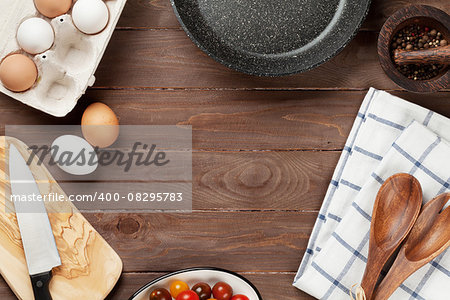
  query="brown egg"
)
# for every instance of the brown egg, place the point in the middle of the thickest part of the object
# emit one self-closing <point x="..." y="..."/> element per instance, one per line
<point x="18" y="72"/>
<point x="100" y="125"/>
<point x="53" y="8"/>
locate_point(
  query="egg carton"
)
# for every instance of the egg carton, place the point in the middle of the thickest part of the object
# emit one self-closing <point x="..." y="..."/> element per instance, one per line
<point x="67" y="69"/>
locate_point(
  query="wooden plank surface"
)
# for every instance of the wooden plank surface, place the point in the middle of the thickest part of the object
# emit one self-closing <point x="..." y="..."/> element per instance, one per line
<point x="235" y="180"/>
<point x="232" y="119"/>
<point x="235" y="240"/>
<point x="287" y="180"/>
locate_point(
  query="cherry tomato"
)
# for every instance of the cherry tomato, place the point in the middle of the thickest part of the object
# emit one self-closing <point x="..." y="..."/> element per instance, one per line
<point x="203" y="290"/>
<point x="177" y="287"/>
<point x="187" y="295"/>
<point x="160" y="294"/>
<point x="239" y="297"/>
<point x="222" y="291"/>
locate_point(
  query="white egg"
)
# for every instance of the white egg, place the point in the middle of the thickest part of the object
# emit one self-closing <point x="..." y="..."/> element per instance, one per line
<point x="90" y="16"/>
<point x="35" y="35"/>
<point x="74" y="155"/>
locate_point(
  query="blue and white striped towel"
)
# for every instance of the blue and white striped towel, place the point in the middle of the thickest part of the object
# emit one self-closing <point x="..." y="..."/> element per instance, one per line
<point x="389" y="136"/>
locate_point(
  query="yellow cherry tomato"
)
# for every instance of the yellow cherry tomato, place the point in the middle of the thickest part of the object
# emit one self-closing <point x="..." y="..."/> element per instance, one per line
<point x="177" y="287"/>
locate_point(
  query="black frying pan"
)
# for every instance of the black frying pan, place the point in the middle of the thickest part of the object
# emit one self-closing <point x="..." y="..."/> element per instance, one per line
<point x="271" y="37"/>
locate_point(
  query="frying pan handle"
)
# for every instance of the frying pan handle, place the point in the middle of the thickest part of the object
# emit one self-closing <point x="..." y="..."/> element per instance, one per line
<point x="40" y="284"/>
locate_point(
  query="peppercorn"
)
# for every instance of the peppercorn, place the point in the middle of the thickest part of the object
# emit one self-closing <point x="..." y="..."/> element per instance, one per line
<point x="415" y="37"/>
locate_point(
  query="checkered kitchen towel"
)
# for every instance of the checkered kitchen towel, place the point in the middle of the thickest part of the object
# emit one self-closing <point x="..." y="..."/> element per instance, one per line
<point x="383" y="131"/>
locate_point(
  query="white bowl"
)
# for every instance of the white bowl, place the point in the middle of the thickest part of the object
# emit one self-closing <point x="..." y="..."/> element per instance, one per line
<point x="192" y="276"/>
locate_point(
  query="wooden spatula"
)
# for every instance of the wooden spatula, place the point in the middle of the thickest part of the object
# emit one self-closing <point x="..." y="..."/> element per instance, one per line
<point x="429" y="237"/>
<point x="396" y="208"/>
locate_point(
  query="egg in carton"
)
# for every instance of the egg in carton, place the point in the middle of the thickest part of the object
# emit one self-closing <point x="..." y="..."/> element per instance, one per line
<point x="65" y="70"/>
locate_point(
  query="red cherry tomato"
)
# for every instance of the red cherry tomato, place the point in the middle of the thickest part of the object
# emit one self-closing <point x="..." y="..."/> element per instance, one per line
<point x="187" y="295"/>
<point x="222" y="291"/>
<point x="239" y="297"/>
<point x="203" y="290"/>
<point x="160" y="294"/>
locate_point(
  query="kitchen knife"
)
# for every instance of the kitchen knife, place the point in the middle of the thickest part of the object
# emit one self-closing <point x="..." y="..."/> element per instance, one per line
<point x="37" y="238"/>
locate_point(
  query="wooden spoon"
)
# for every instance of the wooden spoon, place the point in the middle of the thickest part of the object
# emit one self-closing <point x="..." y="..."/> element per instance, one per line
<point x="429" y="237"/>
<point x="396" y="208"/>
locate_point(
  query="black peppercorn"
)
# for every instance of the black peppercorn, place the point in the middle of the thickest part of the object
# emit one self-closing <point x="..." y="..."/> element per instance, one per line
<point x="415" y="37"/>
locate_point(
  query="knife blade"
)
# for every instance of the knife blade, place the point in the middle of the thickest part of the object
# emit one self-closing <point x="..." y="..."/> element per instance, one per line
<point x="37" y="237"/>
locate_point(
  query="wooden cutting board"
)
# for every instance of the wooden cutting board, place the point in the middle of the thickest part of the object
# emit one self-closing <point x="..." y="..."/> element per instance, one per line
<point x="90" y="267"/>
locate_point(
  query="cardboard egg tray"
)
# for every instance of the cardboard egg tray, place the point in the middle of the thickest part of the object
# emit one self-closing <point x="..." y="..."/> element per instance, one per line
<point x="67" y="68"/>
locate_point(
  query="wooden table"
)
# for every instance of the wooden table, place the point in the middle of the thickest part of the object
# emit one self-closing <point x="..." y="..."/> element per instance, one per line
<point x="264" y="148"/>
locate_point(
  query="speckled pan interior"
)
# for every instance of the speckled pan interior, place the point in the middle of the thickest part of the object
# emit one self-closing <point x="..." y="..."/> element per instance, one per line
<point x="271" y="37"/>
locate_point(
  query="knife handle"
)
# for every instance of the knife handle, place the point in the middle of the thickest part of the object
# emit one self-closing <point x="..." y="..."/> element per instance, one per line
<point x="40" y="284"/>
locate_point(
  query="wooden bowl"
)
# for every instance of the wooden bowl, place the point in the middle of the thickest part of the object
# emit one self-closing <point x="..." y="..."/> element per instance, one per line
<point x="414" y="14"/>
